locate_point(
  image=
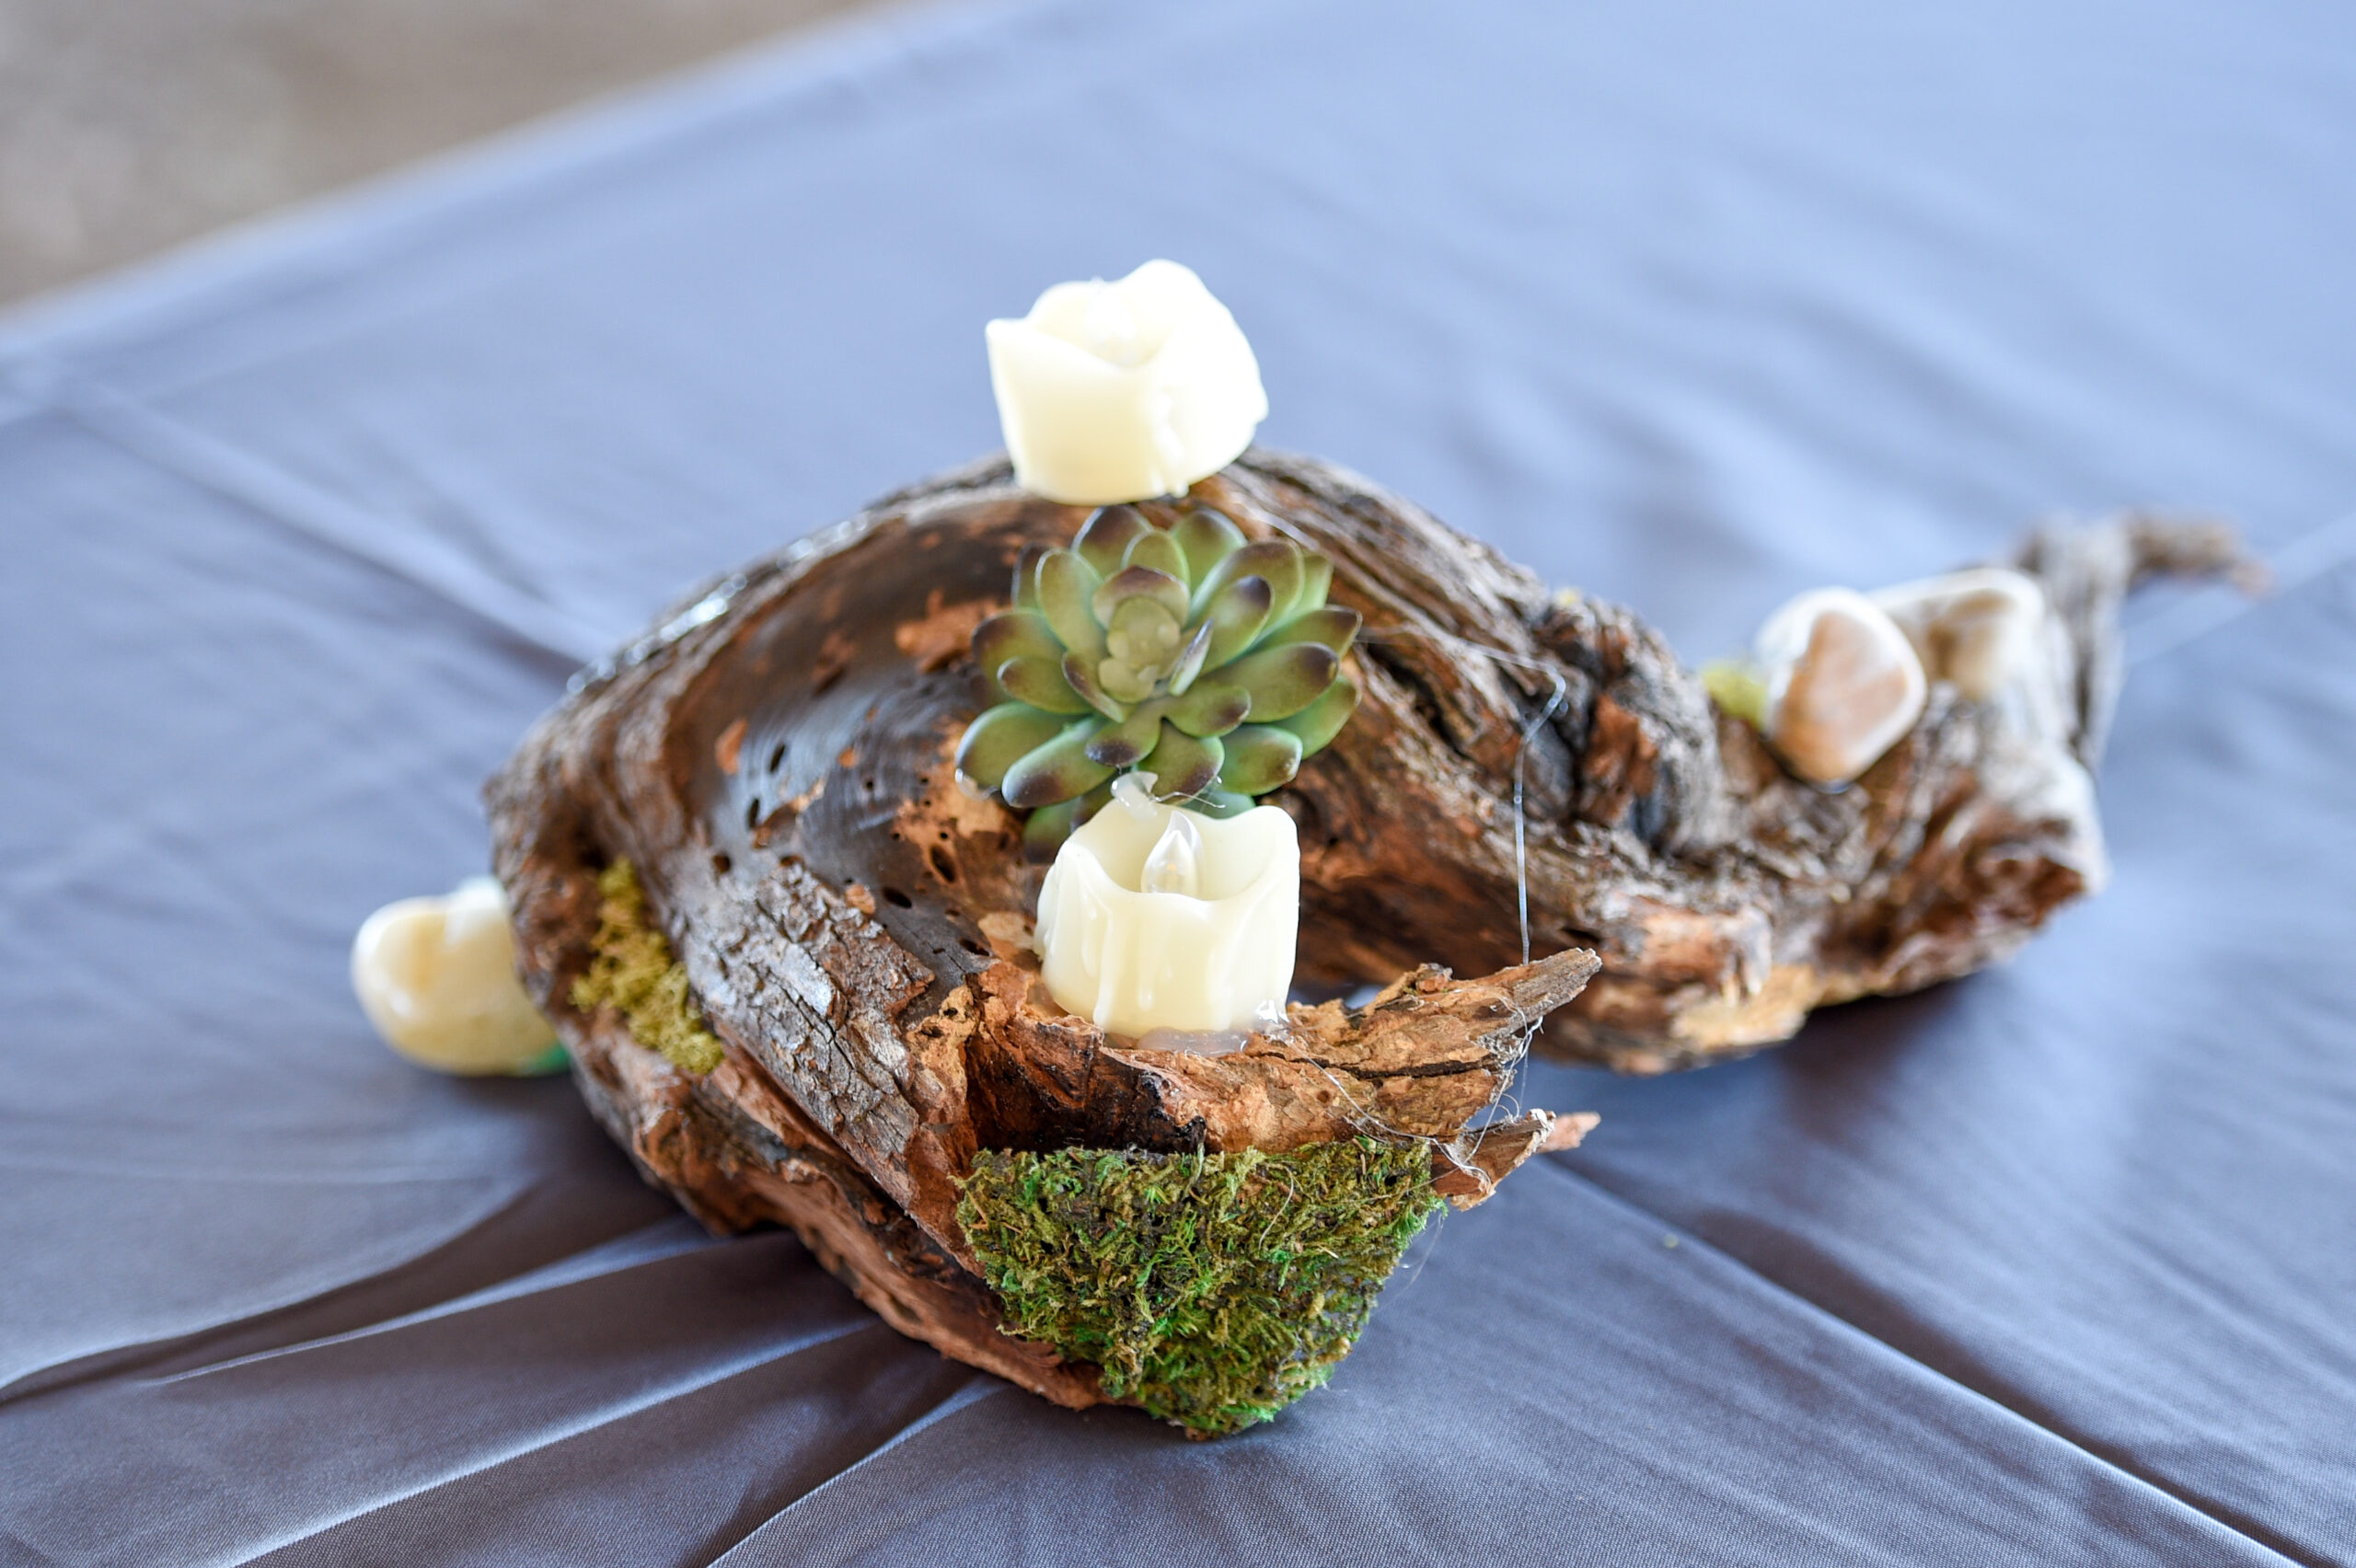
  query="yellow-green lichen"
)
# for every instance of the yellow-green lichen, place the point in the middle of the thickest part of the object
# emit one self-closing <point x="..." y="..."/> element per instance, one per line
<point x="1213" y="1289"/>
<point x="1736" y="688"/>
<point x="634" y="972"/>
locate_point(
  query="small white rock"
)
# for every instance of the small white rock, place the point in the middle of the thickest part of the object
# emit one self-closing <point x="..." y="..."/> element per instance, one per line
<point x="1842" y="682"/>
<point x="437" y="978"/>
<point x="1976" y="629"/>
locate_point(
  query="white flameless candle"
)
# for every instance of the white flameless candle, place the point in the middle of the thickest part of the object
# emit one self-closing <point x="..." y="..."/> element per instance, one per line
<point x="1124" y="391"/>
<point x="1156" y="917"/>
<point x="437" y="978"/>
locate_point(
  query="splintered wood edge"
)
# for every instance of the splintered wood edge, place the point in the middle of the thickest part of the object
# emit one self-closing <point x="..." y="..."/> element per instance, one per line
<point x="735" y="1152"/>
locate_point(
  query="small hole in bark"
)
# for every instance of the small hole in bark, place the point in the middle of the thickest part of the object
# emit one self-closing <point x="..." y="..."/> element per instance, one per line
<point x="777" y="756"/>
<point x="722" y="864"/>
<point x="942" y="866"/>
<point x="753" y="813"/>
<point x="970" y="945"/>
<point x="896" y="899"/>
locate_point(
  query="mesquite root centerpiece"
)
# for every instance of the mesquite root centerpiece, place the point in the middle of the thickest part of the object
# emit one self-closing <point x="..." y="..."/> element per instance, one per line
<point x="791" y="955"/>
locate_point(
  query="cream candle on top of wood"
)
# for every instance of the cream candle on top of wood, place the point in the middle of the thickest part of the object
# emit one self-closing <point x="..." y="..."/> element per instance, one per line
<point x="1126" y="390"/>
<point x="1157" y="917"/>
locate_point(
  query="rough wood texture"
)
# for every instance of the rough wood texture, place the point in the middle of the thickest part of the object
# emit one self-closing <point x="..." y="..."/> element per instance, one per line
<point x="1726" y="897"/>
<point x="775" y="760"/>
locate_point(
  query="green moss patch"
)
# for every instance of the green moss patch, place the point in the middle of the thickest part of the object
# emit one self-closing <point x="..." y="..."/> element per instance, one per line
<point x="1214" y="1289"/>
<point x="634" y="973"/>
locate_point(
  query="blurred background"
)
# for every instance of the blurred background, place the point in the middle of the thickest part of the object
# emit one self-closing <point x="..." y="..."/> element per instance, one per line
<point x="127" y="126"/>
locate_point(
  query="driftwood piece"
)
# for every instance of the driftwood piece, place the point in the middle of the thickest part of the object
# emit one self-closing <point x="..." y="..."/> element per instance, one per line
<point x="774" y="758"/>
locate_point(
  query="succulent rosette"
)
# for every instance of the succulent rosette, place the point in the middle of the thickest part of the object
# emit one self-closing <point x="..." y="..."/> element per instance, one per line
<point x="1188" y="652"/>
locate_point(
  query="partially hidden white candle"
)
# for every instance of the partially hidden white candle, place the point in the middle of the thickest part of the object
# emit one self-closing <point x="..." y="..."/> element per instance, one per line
<point x="1124" y="391"/>
<point x="437" y="978"/>
<point x="1156" y="917"/>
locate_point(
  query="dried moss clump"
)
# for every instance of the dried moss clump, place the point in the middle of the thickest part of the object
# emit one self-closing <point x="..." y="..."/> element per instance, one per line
<point x="1214" y="1289"/>
<point x="634" y="972"/>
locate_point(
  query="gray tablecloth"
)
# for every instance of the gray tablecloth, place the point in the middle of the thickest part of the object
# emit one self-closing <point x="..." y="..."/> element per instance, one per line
<point x="1690" y="304"/>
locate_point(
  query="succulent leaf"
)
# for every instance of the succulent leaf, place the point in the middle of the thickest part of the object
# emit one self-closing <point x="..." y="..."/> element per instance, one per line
<point x="1014" y="634"/>
<point x="1318" y="723"/>
<point x="1154" y="629"/>
<point x="1067" y="583"/>
<point x="1190" y="659"/>
<point x="1132" y="584"/>
<point x="1105" y="540"/>
<point x="1207" y="538"/>
<point x="1122" y="681"/>
<point x="1183" y="765"/>
<point x="1042" y="684"/>
<point x="1283" y="681"/>
<point x="1026" y="576"/>
<point x="1210" y="709"/>
<point x="1083" y="681"/>
<point x="1237" y="612"/>
<point x="1316" y="581"/>
<point x="1055" y="771"/>
<point x="1125" y="744"/>
<point x="1144" y="635"/>
<point x="1158" y="551"/>
<point x="1276" y="560"/>
<point x="1329" y="626"/>
<point x="1259" y="757"/>
<point x="1002" y="737"/>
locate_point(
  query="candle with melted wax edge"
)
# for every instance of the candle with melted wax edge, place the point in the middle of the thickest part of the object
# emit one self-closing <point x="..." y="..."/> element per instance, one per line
<point x="1156" y="918"/>
<point x="1125" y="390"/>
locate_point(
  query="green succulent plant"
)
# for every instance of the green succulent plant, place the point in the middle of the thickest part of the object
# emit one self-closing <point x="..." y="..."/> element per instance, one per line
<point x="1211" y="662"/>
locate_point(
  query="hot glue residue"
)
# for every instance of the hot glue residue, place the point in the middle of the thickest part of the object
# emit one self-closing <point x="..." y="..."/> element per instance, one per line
<point x="1200" y="1042"/>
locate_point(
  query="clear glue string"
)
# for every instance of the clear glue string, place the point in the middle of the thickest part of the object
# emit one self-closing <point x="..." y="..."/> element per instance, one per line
<point x="1525" y="1026"/>
<point x="1556" y="698"/>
